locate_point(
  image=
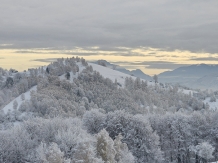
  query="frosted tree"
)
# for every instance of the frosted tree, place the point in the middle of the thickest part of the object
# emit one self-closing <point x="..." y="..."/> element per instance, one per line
<point x="15" y="105"/>
<point x="83" y="61"/>
<point x="1" y="101"/>
<point x="85" y="153"/>
<point x="67" y="68"/>
<point x="112" y="151"/>
<point x="90" y="95"/>
<point x="25" y="106"/>
<point x="93" y="121"/>
<point x="129" y="83"/>
<point x="15" y="92"/>
<point x="2" y="116"/>
<point x="15" y="146"/>
<point x="22" y="86"/>
<point x="105" y="147"/>
<point x="22" y="96"/>
<point x="50" y="154"/>
<point x="74" y="69"/>
<point x="144" y="85"/>
<point x="137" y="134"/>
<point x="1" y="77"/>
<point x="205" y="151"/>
<point x="69" y="134"/>
<point x="42" y="83"/>
<point x="9" y="82"/>
<point x="123" y="154"/>
<point x="42" y="71"/>
<point x="102" y="63"/>
<point x="80" y="92"/>
<point x="155" y="77"/>
<point x="17" y="77"/>
<point x="137" y="83"/>
<point x="77" y="59"/>
<point x="80" y="111"/>
<point x="212" y="98"/>
<point x="67" y="75"/>
<point x="90" y="68"/>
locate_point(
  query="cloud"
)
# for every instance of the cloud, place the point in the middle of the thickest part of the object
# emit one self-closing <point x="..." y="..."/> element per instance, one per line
<point x="164" y="65"/>
<point x="86" y="51"/>
<point x="205" y="59"/>
<point x="47" y="60"/>
<point x="166" y="24"/>
<point x="152" y="64"/>
<point x="161" y="56"/>
<point x="5" y="45"/>
<point x="28" y="51"/>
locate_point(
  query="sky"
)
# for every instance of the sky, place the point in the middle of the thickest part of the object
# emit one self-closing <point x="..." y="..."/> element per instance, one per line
<point x="152" y="35"/>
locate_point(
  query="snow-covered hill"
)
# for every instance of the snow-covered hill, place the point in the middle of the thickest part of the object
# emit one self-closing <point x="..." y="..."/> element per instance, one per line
<point x="106" y="72"/>
<point x="114" y="74"/>
<point x="19" y="100"/>
<point x="136" y="73"/>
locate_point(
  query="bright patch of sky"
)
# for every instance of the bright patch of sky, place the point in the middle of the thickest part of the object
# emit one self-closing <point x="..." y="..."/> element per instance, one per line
<point x="150" y="61"/>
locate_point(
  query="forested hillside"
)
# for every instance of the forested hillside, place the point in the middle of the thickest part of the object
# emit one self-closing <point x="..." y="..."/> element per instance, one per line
<point x="68" y="112"/>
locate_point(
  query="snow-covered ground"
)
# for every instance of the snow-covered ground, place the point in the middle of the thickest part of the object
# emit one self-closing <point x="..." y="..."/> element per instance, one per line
<point x="19" y="100"/>
<point x="213" y="105"/>
<point x="187" y="92"/>
<point x="113" y="74"/>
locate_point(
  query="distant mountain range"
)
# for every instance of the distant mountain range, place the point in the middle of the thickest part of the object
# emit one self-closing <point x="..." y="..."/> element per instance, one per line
<point x="201" y="76"/>
<point x="136" y="73"/>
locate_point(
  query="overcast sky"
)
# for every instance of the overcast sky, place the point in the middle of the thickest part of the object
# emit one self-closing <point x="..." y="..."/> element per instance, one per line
<point x="189" y="25"/>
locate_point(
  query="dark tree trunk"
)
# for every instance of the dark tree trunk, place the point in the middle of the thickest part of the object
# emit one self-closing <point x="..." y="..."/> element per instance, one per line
<point x="179" y="159"/>
<point x="196" y="159"/>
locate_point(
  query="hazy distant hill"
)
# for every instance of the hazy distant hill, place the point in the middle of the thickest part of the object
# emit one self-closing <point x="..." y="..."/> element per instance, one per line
<point x="136" y="73"/>
<point x="206" y="82"/>
<point x="197" y="76"/>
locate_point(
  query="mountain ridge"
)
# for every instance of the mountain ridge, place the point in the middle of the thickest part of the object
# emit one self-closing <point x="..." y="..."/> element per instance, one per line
<point x="197" y="76"/>
<point x="136" y="72"/>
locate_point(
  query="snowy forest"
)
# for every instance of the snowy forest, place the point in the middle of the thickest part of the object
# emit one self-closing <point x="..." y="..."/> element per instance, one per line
<point x="69" y="112"/>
